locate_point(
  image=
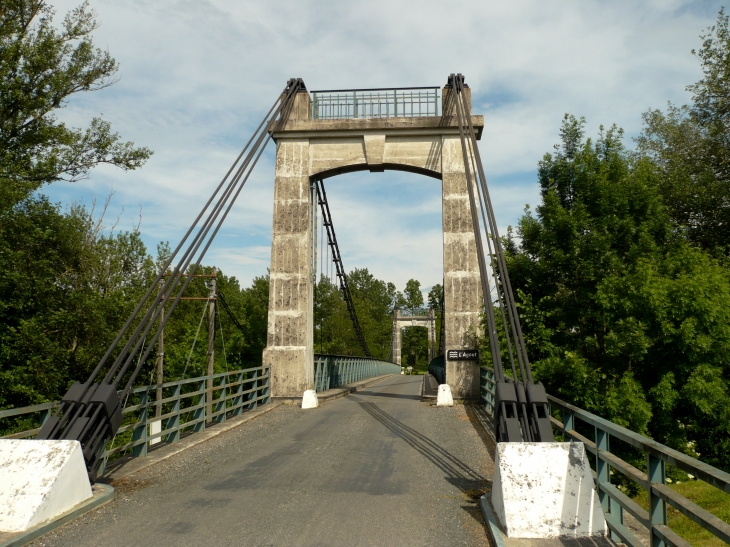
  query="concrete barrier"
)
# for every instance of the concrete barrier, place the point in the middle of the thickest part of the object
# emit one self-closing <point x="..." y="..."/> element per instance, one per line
<point x="309" y="400"/>
<point x="545" y="490"/>
<point x="39" y="480"/>
<point x="444" y="397"/>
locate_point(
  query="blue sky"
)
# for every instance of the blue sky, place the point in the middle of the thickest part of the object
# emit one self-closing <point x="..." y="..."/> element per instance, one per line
<point x="197" y="76"/>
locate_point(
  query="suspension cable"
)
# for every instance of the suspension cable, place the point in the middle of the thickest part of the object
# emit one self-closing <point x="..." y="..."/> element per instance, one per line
<point x="521" y="405"/>
<point x="90" y="412"/>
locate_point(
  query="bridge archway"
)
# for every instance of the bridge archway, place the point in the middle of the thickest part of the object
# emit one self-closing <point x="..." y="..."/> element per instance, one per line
<point x="307" y="149"/>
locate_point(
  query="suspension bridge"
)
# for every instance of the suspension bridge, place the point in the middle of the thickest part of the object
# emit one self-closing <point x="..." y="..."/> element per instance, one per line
<point x="384" y="459"/>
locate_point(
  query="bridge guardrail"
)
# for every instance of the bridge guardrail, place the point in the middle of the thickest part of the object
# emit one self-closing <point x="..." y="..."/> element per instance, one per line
<point x="332" y="371"/>
<point x="177" y="406"/>
<point x="375" y="103"/>
<point x="613" y="500"/>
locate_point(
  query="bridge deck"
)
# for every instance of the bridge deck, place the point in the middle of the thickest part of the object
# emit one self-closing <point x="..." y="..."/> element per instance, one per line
<point x="377" y="467"/>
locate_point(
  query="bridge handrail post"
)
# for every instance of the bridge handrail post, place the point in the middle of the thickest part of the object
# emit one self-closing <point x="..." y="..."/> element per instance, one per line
<point x="199" y="416"/>
<point x="44" y="415"/>
<point x="174" y="420"/>
<point x="220" y="407"/>
<point x="603" y="477"/>
<point x="140" y="432"/>
<point x="237" y="400"/>
<point x="318" y="374"/>
<point x="266" y="373"/>
<point x="568" y="420"/>
<point x="657" y="506"/>
<point x="254" y="397"/>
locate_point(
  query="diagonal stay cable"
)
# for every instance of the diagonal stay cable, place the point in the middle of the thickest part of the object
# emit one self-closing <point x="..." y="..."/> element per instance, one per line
<point x="90" y="412"/>
<point x="177" y="249"/>
<point x="233" y="190"/>
<point x="151" y="315"/>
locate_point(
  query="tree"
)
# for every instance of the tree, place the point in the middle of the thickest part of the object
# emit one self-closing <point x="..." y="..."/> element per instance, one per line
<point x="66" y="289"/>
<point x="68" y="283"/>
<point x="436" y="301"/>
<point x="373" y="300"/>
<point x="41" y="67"/>
<point x="413" y="295"/>
<point x="622" y="314"/>
<point x="414" y="347"/>
<point x="690" y="148"/>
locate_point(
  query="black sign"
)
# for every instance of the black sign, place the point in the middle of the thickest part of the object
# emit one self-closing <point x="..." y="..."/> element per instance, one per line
<point x="462" y="355"/>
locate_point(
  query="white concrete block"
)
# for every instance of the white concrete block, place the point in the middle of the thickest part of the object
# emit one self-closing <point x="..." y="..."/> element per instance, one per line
<point x="39" y="480"/>
<point x="545" y="490"/>
<point x="310" y="399"/>
<point x="443" y="397"/>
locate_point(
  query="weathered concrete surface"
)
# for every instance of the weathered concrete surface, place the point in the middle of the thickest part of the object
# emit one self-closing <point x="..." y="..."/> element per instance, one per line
<point x="373" y="468"/>
<point x="545" y="490"/>
<point x="39" y="480"/>
<point x="462" y="287"/>
<point x="289" y="351"/>
<point x="306" y="148"/>
<point x="496" y="534"/>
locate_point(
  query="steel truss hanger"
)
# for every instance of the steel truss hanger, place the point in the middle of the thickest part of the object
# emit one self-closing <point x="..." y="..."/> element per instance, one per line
<point x="337" y="260"/>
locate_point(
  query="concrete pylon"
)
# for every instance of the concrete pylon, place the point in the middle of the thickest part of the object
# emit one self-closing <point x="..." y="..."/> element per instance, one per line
<point x="308" y="148"/>
<point x="462" y="286"/>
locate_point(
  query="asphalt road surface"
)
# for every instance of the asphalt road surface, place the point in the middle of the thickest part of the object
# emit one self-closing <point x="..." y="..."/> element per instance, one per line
<point x="378" y="467"/>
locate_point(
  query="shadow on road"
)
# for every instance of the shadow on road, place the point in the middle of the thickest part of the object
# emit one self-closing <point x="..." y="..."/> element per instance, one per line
<point x="393" y="395"/>
<point x="457" y="472"/>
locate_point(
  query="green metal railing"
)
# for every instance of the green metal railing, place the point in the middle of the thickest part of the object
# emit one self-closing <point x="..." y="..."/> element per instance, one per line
<point x="375" y="103"/>
<point x="163" y="412"/>
<point x="332" y="371"/>
<point x="613" y="500"/>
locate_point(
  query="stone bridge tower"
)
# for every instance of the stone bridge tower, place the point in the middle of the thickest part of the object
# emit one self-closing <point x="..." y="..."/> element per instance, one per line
<point x="317" y="142"/>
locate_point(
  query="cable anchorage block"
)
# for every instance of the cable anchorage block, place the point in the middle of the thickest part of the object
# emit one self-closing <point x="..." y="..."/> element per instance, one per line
<point x="506" y="416"/>
<point x="539" y="412"/>
<point x="296" y="84"/>
<point x="106" y="394"/>
<point x="456" y="81"/>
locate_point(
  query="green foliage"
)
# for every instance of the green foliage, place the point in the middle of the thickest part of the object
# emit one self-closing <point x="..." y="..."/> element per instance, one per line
<point x="413" y="297"/>
<point x="374" y="301"/>
<point x="414" y="347"/>
<point x="623" y="315"/>
<point x="41" y="67"/>
<point x="708" y="497"/>
<point x="67" y="287"/>
<point x="436" y="301"/>
<point x="690" y="147"/>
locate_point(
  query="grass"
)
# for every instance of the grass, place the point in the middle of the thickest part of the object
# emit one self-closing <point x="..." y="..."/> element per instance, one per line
<point x="706" y="496"/>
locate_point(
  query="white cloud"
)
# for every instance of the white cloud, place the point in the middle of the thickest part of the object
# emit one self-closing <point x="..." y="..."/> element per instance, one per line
<point x="196" y="76"/>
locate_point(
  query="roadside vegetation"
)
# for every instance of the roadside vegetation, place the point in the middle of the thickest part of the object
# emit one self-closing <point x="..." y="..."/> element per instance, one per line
<point x="622" y="271"/>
